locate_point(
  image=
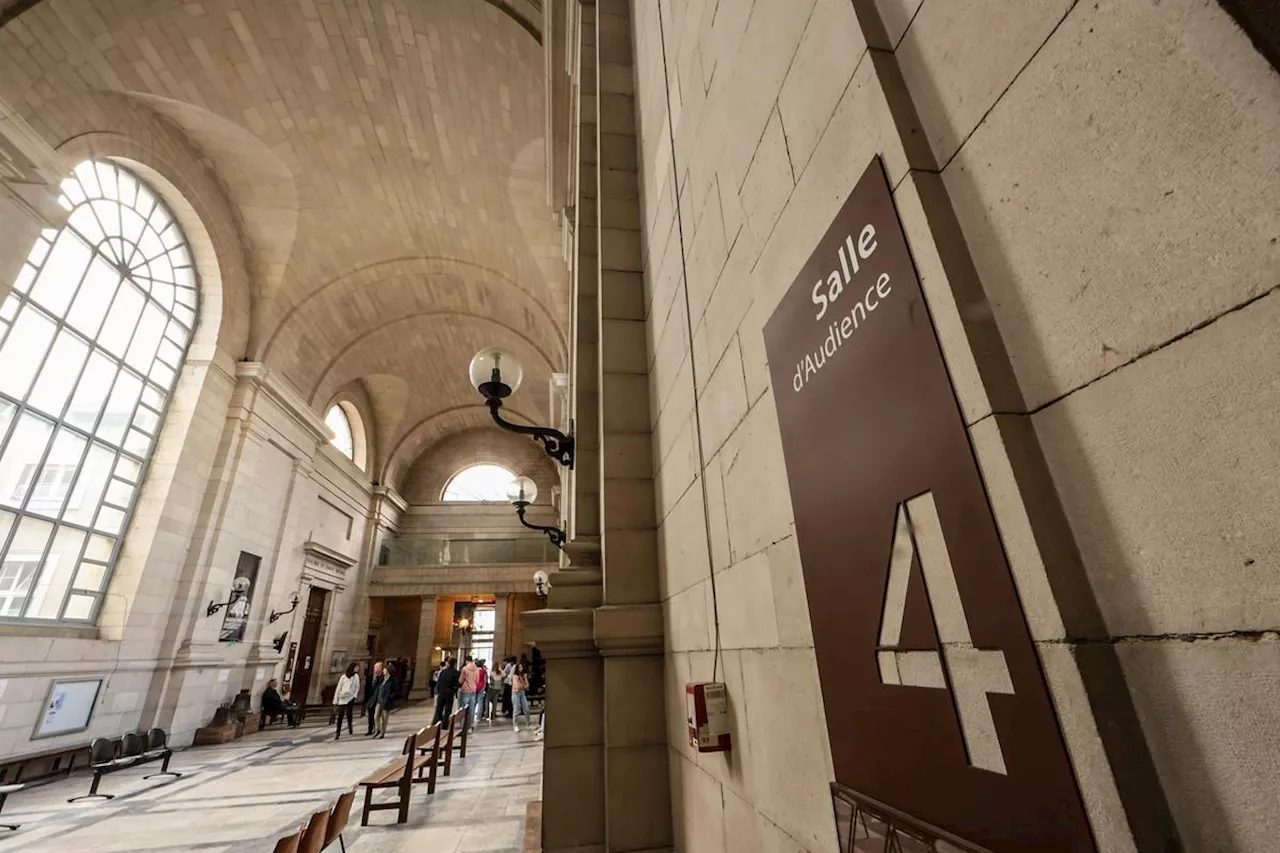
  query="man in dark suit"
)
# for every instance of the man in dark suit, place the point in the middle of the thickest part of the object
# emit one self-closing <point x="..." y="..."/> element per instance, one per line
<point x="446" y="689"/>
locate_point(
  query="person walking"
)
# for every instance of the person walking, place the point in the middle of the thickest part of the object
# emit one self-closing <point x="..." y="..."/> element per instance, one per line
<point x="344" y="698"/>
<point x="508" y="669"/>
<point x="386" y="698"/>
<point x="470" y="677"/>
<point x="377" y="676"/>
<point x="519" y="699"/>
<point x="435" y="676"/>
<point x="482" y="686"/>
<point x="446" y="688"/>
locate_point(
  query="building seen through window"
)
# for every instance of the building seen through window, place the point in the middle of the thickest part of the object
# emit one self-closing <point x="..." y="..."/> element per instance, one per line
<point x="92" y="338"/>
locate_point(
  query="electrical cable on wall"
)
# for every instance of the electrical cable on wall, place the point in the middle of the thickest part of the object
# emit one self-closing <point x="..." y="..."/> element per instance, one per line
<point x="693" y="367"/>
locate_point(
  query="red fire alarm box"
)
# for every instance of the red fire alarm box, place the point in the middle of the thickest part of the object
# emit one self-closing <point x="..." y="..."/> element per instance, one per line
<point x="708" y="704"/>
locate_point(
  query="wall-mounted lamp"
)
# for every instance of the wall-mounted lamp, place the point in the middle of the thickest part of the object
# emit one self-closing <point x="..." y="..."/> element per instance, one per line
<point x="488" y="377"/>
<point x="239" y="587"/>
<point x="541" y="584"/>
<point x="293" y="605"/>
<point x="523" y="492"/>
<point x="278" y="642"/>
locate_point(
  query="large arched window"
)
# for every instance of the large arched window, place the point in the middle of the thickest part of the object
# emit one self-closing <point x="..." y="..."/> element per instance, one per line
<point x="348" y="432"/>
<point x="479" y="483"/>
<point x="92" y="339"/>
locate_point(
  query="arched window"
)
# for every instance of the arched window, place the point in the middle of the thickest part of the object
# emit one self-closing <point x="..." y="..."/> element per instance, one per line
<point x="479" y="483"/>
<point x="92" y="339"/>
<point x="348" y="432"/>
<point x="337" y="421"/>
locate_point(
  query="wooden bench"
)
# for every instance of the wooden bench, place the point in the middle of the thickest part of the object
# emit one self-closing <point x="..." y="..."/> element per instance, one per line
<point x="456" y="722"/>
<point x="427" y="742"/>
<point x="50" y="759"/>
<point x="399" y="775"/>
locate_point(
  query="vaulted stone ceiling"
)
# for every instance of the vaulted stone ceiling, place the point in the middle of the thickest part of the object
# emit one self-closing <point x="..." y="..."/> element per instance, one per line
<point x="383" y="162"/>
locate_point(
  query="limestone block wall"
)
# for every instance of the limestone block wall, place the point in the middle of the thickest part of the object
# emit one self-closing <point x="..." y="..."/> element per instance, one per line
<point x="1112" y="170"/>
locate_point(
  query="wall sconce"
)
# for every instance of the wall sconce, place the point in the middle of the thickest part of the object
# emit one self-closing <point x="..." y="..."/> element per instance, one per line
<point x="541" y="584"/>
<point x="278" y="642"/>
<point x="523" y="492"/>
<point x="463" y="624"/>
<point x="293" y="606"/>
<point x="239" y="587"/>
<point x="487" y="376"/>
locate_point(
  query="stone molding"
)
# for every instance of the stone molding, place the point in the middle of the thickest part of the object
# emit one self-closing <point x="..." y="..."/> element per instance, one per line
<point x="324" y="567"/>
<point x="259" y="377"/>
<point x="30" y="171"/>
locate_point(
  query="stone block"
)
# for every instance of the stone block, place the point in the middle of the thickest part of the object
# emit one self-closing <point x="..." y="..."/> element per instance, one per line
<point x="958" y="58"/>
<point x="768" y="181"/>
<point x="567" y="821"/>
<point x="628" y="455"/>
<point x="639" y="801"/>
<point x="682" y="544"/>
<point x="832" y="47"/>
<point x="722" y="401"/>
<point x="631" y="557"/>
<point x="625" y="402"/>
<point x="622" y="346"/>
<point x="678" y="471"/>
<point x="791" y="773"/>
<point x="627" y="504"/>
<point x="1212" y="719"/>
<point x="746" y="606"/>
<point x="698" y="808"/>
<point x="791" y="606"/>
<point x="1120" y="194"/>
<point x="686" y="619"/>
<point x="758" y="504"/>
<point x="717" y="514"/>
<point x="633" y="702"/>
<point x="1167" y="472"/>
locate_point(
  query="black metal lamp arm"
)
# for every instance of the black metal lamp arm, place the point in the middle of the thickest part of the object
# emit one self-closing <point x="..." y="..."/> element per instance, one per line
<point x="214" y="606"/>
<point x="274" y="615"/>
<point x="557" y="445"/>
<point x="555" y="534"/>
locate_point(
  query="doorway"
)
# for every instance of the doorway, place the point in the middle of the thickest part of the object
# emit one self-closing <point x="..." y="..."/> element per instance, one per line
<point x="306" y="661"/>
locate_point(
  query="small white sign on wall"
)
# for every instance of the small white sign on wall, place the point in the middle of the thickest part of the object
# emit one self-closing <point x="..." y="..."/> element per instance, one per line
<point x="223" y="675"/>
<point x="4" y="683"/>
<point x="261" y="673"/>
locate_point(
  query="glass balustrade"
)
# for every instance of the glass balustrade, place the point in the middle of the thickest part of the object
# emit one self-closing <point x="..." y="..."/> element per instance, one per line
<point x="466" y="552"/>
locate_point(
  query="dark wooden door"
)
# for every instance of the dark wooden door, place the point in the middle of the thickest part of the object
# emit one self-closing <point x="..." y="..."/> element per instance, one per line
<point x="306" y="662"/>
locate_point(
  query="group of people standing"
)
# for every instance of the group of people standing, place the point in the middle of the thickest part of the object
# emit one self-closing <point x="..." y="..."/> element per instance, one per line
<point x="483" y="691"/>
<point x="383" y="688"/>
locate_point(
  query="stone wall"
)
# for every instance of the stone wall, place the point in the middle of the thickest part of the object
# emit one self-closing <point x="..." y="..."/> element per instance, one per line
<point x="1110" y="173"/>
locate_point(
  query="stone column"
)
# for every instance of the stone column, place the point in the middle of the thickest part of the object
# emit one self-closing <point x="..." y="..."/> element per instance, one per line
<point x="501" y="626"/>
<point x="424" y="660"/>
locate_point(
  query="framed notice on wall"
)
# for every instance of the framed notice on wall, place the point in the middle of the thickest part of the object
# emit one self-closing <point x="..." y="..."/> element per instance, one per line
<point x="68" y="706"/>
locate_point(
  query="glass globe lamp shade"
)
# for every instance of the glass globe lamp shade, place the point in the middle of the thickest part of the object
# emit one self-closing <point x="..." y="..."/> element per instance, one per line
<point x="522" y="490"/>
<point x="495" y="373"/>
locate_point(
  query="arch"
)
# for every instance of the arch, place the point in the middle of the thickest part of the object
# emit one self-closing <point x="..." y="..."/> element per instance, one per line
<point x="482" y="483"/>
<point x="93" y="339"/>
<point x="454" y="419"/>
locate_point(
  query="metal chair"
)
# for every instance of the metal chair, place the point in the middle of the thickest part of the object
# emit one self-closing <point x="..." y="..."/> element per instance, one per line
<point x="102" y="758"/>
<point x="5" y="791"/>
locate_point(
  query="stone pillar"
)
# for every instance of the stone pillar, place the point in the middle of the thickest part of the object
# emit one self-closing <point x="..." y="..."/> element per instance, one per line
<point x="424" y="658"/>
<point x="29" y="189"/>
<point x="501" y="626"/>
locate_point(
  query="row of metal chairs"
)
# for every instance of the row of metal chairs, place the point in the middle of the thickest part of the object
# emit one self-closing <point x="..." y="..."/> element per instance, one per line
<point x="135" y="749"/>
<point x="323" y="829"/>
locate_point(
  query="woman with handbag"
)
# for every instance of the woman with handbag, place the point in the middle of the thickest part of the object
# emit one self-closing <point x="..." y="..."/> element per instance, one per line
<point x="344" y="698"/>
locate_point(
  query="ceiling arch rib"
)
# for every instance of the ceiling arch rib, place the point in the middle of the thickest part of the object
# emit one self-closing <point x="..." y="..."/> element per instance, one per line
<point x="434" y="428"/>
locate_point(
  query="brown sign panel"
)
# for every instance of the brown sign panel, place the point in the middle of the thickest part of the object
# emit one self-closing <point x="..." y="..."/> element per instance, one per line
<point x="936" y="705"/>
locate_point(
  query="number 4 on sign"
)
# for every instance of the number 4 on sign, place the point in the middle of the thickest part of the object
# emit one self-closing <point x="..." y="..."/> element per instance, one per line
<point x="969" y="673"/>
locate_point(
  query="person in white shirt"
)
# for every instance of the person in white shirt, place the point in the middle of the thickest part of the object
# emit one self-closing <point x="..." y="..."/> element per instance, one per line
<point x="344" y="698"/>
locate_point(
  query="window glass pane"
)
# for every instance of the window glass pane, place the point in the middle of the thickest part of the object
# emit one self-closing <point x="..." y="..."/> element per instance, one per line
<point x="94" y="298"/>
<point x="161" y="374"/>
<point x="23" y="351"/>
<point x="53" y="485"/>
<point x="480" y="483"/>
<point x="109" y="520"/>
<point x="39" y="252"/>
<point x="83" y="220"/>
<point x="90" y="577"/>
<point x="79" y="607"/>
<point x="6" y="524"/>
<point x="7" y="410"/>
<point x="61" y="274"/>
<point x="128" y="195"/>
<point x="88" y="491"/>
<point x="22" y="457"/>
<point x="122" y="319"/>
<point x="128" y="470"/>
<point x="55" y="574"/>
<point x="25" y="276"/>
<point x="99" y="548"/>
<point x="169" y="353"/>
<point x="107" y="177"/>
<point x="95" y="383"/>
<point x="119" y="409"/>
<point x="10" y="308"/>
<point x="119" y="492"/>
<point x="61" y="370"/>
<point x="337" y="421"/>
<point x="137" y="443"/>
<point x="146" y="420"/>
<point x="22" y="560"/>
<point x="152" y="396"/>
<point x="150" y="329"/>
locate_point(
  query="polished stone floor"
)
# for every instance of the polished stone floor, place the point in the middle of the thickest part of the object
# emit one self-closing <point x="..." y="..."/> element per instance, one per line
<point x="239" y="797"/>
